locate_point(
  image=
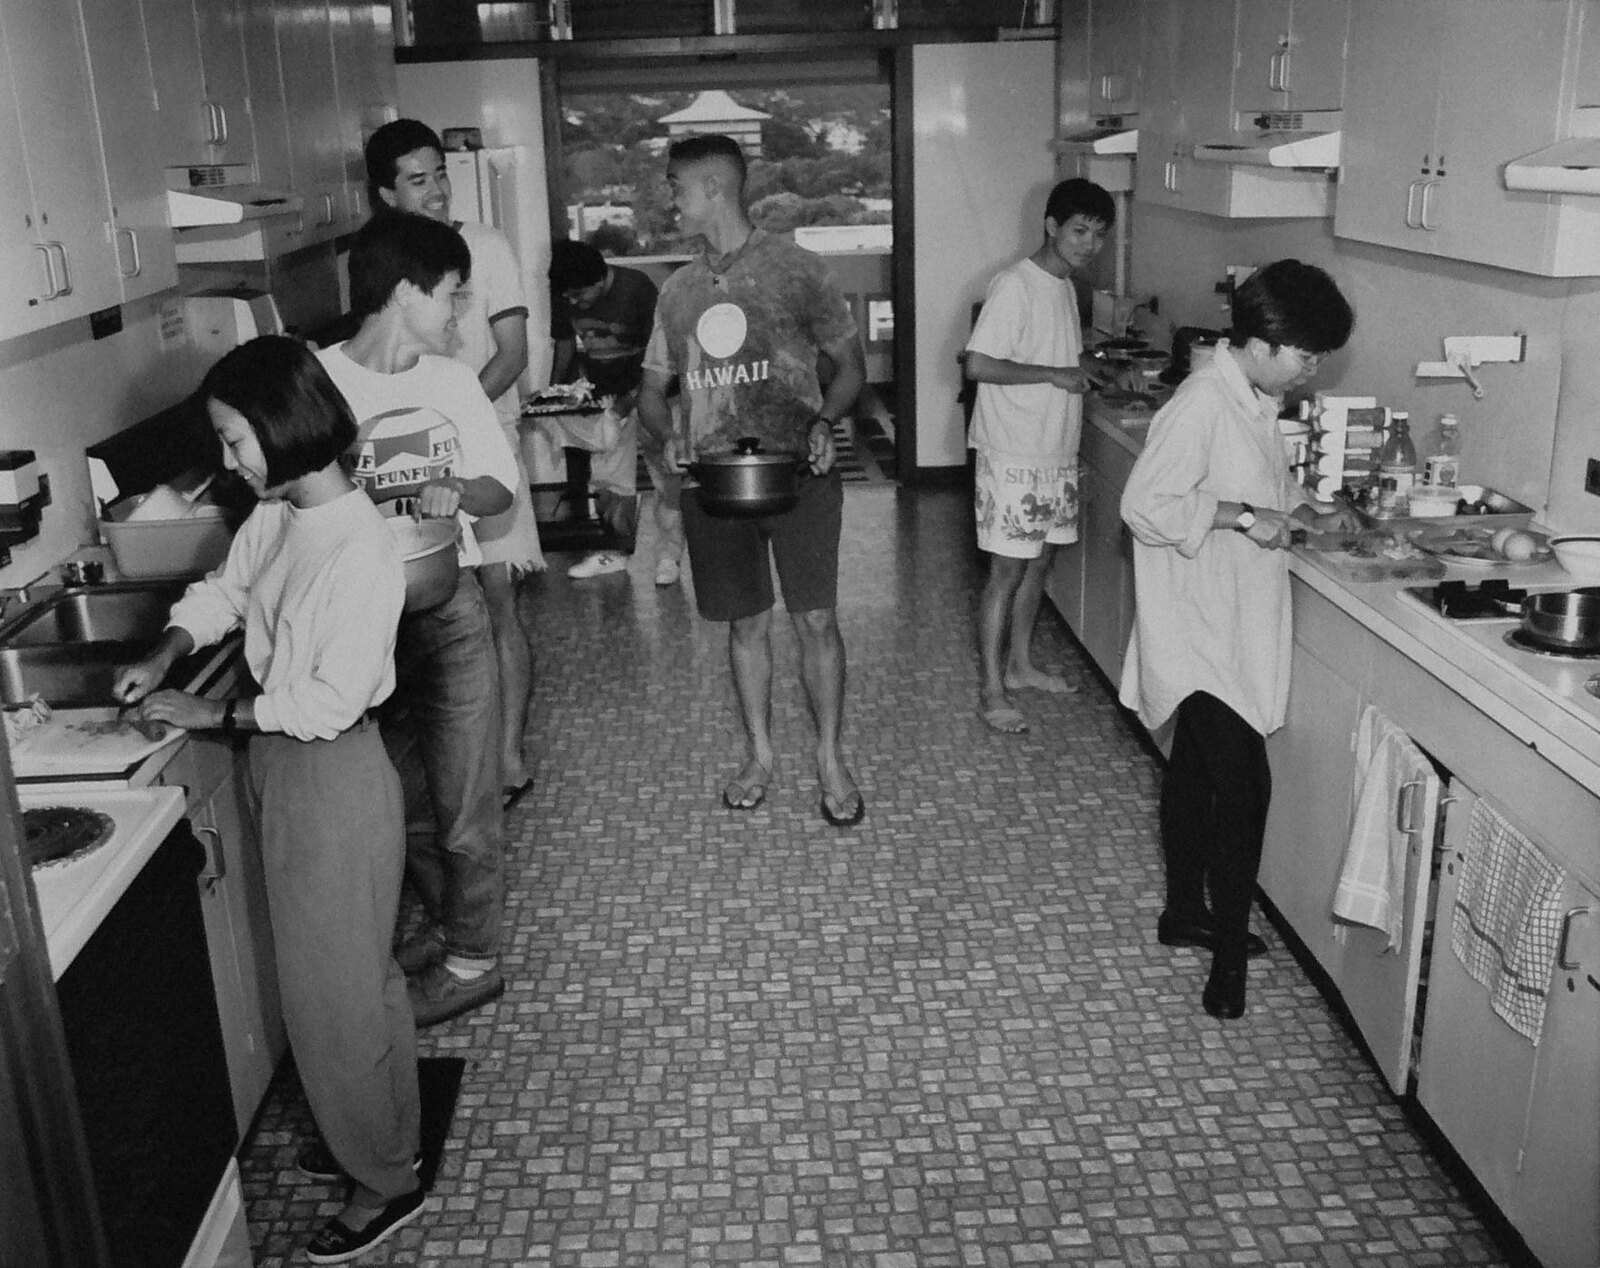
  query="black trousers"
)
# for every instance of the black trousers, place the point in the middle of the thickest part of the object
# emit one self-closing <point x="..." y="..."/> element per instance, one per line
<point x="1214" y="802"/>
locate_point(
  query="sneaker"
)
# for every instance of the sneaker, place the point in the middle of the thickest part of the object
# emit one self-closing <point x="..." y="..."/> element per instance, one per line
<point x="315" y="1161"/>
<point x="437" y="994"/>
<point x="421" y="950"/>
<point x="598" y="565"/>
<point x="667" y="571"/>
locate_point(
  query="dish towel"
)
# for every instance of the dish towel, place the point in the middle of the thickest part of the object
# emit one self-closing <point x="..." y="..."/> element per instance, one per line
<point x="1372" y="883"/>
<point x="1507" y="920"/>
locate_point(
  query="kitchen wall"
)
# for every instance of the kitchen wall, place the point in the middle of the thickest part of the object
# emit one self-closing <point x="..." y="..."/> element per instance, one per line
<point x="1539" y="420"/>
<point x="60" y="392"/>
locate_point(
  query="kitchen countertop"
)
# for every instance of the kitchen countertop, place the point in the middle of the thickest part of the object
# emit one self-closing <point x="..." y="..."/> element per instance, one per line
<point x="1540" y="700"/>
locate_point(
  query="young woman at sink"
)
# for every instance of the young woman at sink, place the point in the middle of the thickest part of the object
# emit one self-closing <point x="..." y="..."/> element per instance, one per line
<point x="316" y="581"/>
<point x="1211" y="504"/>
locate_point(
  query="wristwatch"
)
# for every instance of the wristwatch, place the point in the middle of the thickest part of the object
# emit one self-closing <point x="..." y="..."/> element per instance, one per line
<point x="1246" y="520"/>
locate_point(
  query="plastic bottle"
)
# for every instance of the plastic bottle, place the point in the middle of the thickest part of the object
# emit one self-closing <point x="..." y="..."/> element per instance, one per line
<point x="1397" y="467"/>
<point x="1443" y="467"/>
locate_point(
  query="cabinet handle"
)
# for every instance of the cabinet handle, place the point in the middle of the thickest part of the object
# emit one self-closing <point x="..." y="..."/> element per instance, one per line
<point x="51" y="290"/>
<point x="133" y="243"/>
<point x="1566" y="931"/>
<point x="327" y="205"/>
<point x="216" y="866"/>
<point x="1411" y="205"/>
<point x="1278" y="75"/>
<point x="213" y="128"/>
<point x="1405" y="807"/>
<point x="66" y="270"/>
<point x="222" y="125"/>
<point x="1427" y="205"/>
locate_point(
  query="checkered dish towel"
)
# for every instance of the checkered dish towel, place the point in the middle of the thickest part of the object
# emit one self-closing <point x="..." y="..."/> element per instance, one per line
<point x="1507" y="920"/>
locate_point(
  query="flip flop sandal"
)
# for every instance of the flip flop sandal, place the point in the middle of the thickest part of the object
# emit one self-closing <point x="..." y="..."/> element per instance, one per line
<point x="743" y="791"/>
<point x="849" y="820"/>
<point x="1005" y="718"/>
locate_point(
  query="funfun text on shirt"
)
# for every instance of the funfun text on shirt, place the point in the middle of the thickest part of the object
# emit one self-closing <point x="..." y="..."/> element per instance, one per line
<point x="728" y="375"/>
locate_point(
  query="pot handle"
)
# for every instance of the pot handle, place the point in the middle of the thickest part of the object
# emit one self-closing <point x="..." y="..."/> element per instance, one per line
<point x="747" y="445"/>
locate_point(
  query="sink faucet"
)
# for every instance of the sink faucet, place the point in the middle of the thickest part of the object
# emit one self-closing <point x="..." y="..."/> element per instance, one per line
<point x="20" y="596"/>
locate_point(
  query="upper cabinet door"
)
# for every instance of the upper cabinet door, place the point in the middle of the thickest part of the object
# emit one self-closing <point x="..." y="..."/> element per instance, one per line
<point x="61" y="148"/>
<point x="22" y="263"/>
<point x="363" y="63"/>
<point x="197" y="50"/>
<point x="1291" y="55"/>
<point x="125" y="103"/>
<point x="305" y="51"/>
<point x="1387" y="152"/>
<point x="1116" y="56"/>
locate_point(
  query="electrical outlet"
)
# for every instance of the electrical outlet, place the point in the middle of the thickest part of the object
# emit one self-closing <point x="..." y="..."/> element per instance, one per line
<point x="1591" y="477"/>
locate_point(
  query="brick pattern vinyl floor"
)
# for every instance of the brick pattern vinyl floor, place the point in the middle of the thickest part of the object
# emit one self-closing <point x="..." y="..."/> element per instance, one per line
<point x="947" y="1038"/>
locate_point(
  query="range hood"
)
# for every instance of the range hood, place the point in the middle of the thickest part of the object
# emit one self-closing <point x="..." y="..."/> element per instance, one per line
<point x="222" y="194"/>
<point x="1567" y="167"/>
<point x="1293" y="138"/>
<point x="1115" y="139"/>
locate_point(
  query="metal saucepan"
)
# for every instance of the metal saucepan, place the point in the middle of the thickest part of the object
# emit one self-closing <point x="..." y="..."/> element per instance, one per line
<point x="428" y="549"/>
<point x="747" y="481"/>
<point x="1565" y="619"/>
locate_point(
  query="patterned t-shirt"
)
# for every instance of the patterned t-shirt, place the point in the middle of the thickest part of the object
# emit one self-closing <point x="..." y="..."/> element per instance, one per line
<point x="611" y="332"/>
<point x="744" y="342"/>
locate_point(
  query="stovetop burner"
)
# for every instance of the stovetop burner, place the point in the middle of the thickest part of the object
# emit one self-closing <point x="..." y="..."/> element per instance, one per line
<point x="61" y="834"/>
<point x="1494" y="599"/>
<point x="1520" y="640"/>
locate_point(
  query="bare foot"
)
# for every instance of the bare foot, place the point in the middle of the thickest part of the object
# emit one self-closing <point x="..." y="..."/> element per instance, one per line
<point x="1037" y="680"/>
<point x="999" y="714"/>
<point x="747" y="789"/>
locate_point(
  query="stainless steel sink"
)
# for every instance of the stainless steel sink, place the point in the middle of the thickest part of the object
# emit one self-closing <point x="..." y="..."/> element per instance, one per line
<point x="124" y="613"/>
<point x="65" y="674"/>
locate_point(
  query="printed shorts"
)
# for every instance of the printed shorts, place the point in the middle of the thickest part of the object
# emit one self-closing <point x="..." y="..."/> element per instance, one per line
<point x="1022" y="504"/>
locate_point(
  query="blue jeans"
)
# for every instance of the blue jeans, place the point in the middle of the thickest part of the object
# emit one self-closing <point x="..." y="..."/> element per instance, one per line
<point x="447" y="688"/>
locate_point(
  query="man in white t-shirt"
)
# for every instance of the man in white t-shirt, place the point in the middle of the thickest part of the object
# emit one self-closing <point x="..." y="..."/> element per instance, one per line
<point x="1023" y="355"/>
<point x="429" y="444"/>
<point x="406" y="172"/>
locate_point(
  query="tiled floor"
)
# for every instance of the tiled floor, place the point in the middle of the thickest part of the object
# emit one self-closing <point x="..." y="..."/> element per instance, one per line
<point x="948" y="1037"/>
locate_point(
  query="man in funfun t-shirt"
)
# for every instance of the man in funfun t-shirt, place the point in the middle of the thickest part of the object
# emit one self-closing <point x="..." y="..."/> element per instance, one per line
<point x="743" y="326"/>
<point x="430" y="444"/>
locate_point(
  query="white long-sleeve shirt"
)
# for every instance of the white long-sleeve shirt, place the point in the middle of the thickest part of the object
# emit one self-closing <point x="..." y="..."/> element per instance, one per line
<point x="318" y="591"/>
<point x="1211" y="607"/>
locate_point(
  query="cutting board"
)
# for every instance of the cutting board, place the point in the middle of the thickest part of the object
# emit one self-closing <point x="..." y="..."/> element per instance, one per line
<point x="90" y="741"/>
<point x="1325" y="549"/>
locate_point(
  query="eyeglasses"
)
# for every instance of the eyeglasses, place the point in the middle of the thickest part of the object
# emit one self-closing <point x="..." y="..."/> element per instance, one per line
<point x="1307" y="361"/>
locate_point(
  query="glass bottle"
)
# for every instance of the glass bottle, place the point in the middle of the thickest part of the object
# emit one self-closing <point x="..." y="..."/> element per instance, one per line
<point x="1397" y="467"/>
<point x="1443" y="467"/>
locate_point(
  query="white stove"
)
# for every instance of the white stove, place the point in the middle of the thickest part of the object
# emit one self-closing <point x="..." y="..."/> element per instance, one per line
<point x="75" y="895"/>
<point x="1489" y="614"/>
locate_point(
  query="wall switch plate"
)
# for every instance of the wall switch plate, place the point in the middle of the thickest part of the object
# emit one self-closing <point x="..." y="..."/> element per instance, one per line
<point x="1591" y="477"/>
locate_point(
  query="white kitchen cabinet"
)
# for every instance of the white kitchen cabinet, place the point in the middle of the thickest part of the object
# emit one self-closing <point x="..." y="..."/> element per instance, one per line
<point x="1116" y="62"/>
<point x="1441" y="95"/>
<point x="1291" y="55"/>
<point x="364" y="79"/>
<point x="197" y="49"/>
<point x="1313" y="775"/>
<point x="59" y="253"/>
<point x="238" y="928"/>
<point x="1188" y="98"/>
<point x="125" y="106"/>
<point x="316" y="134"/>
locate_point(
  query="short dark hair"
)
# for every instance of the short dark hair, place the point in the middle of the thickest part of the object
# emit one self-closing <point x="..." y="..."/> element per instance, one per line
<point x="1079" y="197"/>
<point x="387" y="146"/>
<point x="301" y="420"/>
<point x="710" y="145"/>
<point x="575" y="264"/>
<point x="402" y="247"/>
<point x="1289" y="303"/>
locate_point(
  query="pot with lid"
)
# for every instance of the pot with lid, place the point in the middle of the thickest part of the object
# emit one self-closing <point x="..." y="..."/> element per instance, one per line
<point x="746" y="481"/>
<point x="1567" y="620"/>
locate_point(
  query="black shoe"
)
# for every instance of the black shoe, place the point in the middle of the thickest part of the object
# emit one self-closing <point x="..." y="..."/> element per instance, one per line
<point x="316" y="1162"/>
<point x="337" y="1243"/>
<point x="1224" y="993"/>
<point x="1175" y="931"/>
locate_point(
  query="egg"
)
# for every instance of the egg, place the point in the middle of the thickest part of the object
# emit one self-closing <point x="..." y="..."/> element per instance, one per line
<point x="1498" y="541"/>
<point x="1518" y="546"/>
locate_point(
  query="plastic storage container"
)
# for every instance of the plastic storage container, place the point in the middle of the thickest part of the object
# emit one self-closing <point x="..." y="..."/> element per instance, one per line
<point x="186" y="547"/>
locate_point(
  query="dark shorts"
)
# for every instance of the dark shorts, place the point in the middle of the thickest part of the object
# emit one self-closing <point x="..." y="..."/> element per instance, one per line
<point x="728" y="555"/>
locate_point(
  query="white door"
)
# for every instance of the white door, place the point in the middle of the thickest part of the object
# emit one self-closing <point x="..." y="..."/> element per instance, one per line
<point x="983" y="118"/>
